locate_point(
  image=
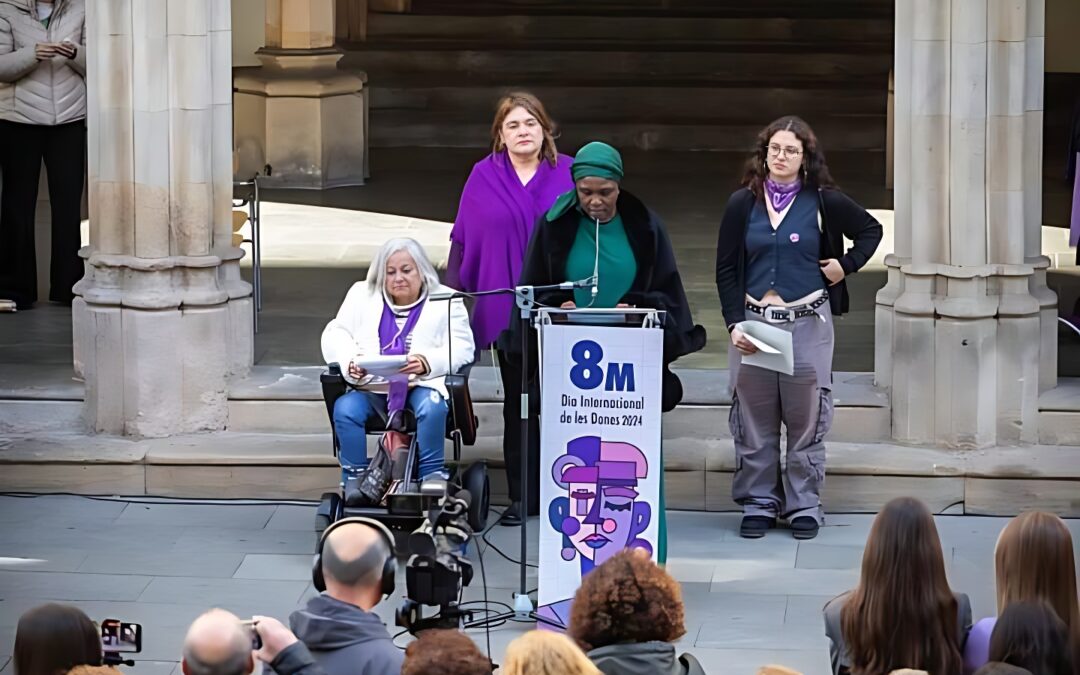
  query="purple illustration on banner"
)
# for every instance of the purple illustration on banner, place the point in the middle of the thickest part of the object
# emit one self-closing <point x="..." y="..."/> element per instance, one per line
<point x="599" y="516"/>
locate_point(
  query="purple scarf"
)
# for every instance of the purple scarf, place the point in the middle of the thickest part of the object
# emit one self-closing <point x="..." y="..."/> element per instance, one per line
<point x="781" y="194"/>
<point x="494" y="221"/>
<point x="392" y="341"/>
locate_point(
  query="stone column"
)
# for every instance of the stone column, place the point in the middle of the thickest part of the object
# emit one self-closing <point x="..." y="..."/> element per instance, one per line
<point x="960" y="325"/>
<point x="162" y="317"/>
<point x="298" y="112"/>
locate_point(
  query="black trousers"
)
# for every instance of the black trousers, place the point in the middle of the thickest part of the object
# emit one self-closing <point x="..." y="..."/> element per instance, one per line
<point x="22" y="147"/>
<point x="512" y="451"/>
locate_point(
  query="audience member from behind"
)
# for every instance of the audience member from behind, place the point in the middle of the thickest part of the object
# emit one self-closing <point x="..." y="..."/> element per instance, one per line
<point x="544" y="652"/>
<point x="217" y="644"/>
<point x="338" y="626"/>
<point x="1030" y="635"/>
<point x="445" y="652"/>
<point x="902" y="614"/>
<point x="53" y="639"/>
<point x="1033" y="561"/>
<point x="626" y="614"/>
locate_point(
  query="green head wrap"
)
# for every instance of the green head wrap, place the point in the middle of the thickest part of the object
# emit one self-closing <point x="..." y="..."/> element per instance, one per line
<point x="594" y="160"/>
<point x="597" y="160"/>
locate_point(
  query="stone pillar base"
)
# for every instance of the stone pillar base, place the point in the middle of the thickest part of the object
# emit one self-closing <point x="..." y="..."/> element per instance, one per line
<point x="303" y="117"/>
<point x="156" y="341"/>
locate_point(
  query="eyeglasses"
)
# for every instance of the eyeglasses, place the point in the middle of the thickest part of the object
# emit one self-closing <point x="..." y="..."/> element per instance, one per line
<point x="775" y="150"/>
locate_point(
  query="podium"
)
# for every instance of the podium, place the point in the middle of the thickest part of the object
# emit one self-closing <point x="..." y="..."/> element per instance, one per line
<point x="601" y="472"/>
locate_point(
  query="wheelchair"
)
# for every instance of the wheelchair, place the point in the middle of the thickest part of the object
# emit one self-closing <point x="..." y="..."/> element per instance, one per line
<point x="408" y="504"/>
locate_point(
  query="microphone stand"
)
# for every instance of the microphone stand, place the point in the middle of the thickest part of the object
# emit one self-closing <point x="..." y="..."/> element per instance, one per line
<point x="525" y="297"/>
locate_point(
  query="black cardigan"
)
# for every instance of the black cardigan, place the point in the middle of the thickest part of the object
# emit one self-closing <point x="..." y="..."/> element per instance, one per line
<point x="840" y="217"/>
<point x="657" y="284"/>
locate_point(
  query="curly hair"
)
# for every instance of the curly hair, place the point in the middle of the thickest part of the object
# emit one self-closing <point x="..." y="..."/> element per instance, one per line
<point x="815" y="170"/>
<point x="627" y="599"/>
<point x="445" y="652"/>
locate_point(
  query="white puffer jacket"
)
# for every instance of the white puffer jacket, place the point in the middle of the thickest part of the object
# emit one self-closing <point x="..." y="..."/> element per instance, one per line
<point x="41" y="92"/>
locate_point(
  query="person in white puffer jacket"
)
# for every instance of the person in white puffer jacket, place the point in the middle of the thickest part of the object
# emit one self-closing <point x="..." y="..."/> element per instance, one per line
<point x="42" y="116"/>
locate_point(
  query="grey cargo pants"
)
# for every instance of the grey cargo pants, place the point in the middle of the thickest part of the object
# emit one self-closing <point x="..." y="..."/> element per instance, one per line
<point x="802" y="402"/>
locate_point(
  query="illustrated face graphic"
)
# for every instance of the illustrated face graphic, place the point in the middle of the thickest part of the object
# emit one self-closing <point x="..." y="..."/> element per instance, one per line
<point x="601" y="517"/>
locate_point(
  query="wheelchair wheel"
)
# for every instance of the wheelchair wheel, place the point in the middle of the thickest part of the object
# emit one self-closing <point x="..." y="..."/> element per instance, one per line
<point x="475" y="480"/>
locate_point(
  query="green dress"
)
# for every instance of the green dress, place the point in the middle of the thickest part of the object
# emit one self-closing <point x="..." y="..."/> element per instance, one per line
<point x="616" y="271"/>
<point x="617" y="265"/>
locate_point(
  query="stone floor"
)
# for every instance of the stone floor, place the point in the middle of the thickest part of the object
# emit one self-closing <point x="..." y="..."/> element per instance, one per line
<point x="748" y="602"/>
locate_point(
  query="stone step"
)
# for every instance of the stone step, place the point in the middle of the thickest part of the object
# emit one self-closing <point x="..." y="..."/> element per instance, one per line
<point x="708" y="8"/>
<point x="861" y="476"/>
<point x="671" y="105"/>
<point x="648" y="33"/>
<point x="392" y="128"/>
<point x="415" y="63"/>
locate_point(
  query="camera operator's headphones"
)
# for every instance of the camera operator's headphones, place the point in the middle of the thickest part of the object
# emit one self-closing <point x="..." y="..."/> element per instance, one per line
<point x="389" y="569"/>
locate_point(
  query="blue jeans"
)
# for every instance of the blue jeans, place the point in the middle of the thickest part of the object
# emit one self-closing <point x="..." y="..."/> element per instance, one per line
<point x="352" y="411"/>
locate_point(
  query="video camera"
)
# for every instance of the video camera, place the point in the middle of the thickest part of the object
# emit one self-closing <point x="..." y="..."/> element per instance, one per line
<point x="438" y="569"/>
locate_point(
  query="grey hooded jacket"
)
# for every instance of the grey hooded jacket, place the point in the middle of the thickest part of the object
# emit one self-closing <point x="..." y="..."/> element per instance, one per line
<point x="644" y="658"/>
<point x="46" y="92"/>
<point x="346" y="640"/>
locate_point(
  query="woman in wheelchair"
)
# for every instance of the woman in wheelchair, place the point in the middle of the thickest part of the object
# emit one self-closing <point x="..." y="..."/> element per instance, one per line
<point x="389" y="314"/>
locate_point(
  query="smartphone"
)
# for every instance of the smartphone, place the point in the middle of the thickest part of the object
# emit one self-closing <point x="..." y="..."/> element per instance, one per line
<point x="121" y="637"/>
<point x="256" y="641"/>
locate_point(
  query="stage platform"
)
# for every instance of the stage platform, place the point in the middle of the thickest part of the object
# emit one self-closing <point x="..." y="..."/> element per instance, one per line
<point x="278" y="445"/>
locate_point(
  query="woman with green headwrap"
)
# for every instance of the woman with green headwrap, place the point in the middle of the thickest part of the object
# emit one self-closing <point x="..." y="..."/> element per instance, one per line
<point x="600" y="224"/>
<point x="634" y="259"/>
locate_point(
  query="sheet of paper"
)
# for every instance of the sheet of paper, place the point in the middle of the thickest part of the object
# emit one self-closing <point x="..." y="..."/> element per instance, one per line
<point x="382" y="366"/>
<point x="774" y="347"/>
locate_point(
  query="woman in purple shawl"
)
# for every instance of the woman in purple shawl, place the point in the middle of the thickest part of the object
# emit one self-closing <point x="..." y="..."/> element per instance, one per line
<point x="506" y="193"/>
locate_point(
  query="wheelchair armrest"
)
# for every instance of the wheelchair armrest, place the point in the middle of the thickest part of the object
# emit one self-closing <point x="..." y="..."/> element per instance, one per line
<point x="333" y="388"/>
<point x="462" y="416"/>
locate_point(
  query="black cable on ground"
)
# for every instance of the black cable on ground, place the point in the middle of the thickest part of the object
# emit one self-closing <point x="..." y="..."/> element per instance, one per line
<point x="161" y="500"/>
<point x="484" y="538"/>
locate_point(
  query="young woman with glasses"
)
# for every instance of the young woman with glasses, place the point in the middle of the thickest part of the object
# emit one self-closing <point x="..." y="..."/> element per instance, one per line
<point x="780" y="259"/>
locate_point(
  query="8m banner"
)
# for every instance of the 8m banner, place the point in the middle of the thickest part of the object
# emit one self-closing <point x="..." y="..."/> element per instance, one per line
<point x="600" y="452"/>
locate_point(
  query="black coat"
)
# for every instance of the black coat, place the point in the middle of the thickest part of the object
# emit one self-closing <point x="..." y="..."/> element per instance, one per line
<point x="840" y="217"/>
<point x="657" y="284"/>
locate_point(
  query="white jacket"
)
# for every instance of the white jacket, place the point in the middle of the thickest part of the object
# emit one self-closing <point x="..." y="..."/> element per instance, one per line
<point x="41" y="92"/>
<point x="355" y="331"/>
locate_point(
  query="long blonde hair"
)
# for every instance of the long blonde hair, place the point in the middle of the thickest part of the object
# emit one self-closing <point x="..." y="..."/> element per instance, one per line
<point x="1034" y="561"/>
<point x="543" y="652"/>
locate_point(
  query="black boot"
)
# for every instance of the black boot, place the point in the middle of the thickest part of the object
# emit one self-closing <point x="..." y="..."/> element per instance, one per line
<point x="511" y="517"/>
<point x="755" y="527"/>
<point x="804" y="527"/>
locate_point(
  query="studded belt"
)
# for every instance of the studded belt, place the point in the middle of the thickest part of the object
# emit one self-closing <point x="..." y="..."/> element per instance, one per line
<point x="775" y="314"/>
